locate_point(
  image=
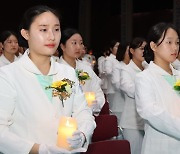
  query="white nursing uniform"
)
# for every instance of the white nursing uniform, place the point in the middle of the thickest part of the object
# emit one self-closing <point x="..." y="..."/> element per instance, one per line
<point x="159" y="104"/>
<point x="27" y="115"/>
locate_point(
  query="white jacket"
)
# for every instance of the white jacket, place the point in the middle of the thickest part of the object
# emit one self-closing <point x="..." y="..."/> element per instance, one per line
<point x="27" y="116"/>
<point x="110" y="62"/>
<point x="92" y="85"/>
<point x="4" y="61"/>
<point x="119" y="97"/>
<point x="100" y="64"/>
<point x="159" y="104"/>
<point x="102" y="74"/>
<point x="130" y="118"/>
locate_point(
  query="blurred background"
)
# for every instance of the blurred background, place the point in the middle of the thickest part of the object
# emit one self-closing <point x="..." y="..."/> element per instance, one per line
<point x="99" y="21"/>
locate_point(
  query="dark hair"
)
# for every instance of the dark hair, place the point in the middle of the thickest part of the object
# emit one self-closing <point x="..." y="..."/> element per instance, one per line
<point x="33" y="12"/>
<point x="30" y="15"/>
<point x="105" y="51"/>
<point x="6" y="34"/>
<point x="155" y="33"/>
<point x="112" y="44"/>
<point x="121" y="51"/>
<point x="67" y="33"/>
<point x="136" y="43"/>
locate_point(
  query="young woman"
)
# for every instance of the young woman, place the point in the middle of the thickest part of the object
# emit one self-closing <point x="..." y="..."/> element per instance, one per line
<point x="10" y="47"/>
<point x="72" y="45"/>
<point x="123" y="59"/>
<point x="110" y="62"/>
<point x="156" y="99"/>
<point x="101" y="65"/>
<point x="131" y="122"/>
<point x="29" y="112"/>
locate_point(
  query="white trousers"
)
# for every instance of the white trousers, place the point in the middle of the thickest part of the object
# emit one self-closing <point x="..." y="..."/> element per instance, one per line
<point x="135" y="137"/>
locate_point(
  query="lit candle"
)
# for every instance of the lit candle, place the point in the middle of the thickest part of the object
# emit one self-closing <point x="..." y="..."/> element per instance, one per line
<point x="90" y="97"/>
<point x="67" y="127"/>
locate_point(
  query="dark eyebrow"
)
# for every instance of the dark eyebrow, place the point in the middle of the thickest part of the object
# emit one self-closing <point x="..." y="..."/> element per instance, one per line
<point x="168" y="38"/>
<point x="57" y="25"/>
<point x="47" y="25"/>
<point x="43" y="25"/>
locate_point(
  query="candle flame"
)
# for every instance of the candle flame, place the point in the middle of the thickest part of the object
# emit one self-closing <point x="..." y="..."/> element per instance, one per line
<point x="68" y="124"/>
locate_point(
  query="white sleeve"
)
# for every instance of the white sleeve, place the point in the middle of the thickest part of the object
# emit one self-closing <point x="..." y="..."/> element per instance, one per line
<point x="96" y="87"/>
<point x="108" y="66"/>
<point x="100" y="63"/>
<point x="9" y="142"/>
<point x="127" y="83"/>
<point x="83" y="114"/>
<point x="116" y="75"/>
<point x="150" y="109"/>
